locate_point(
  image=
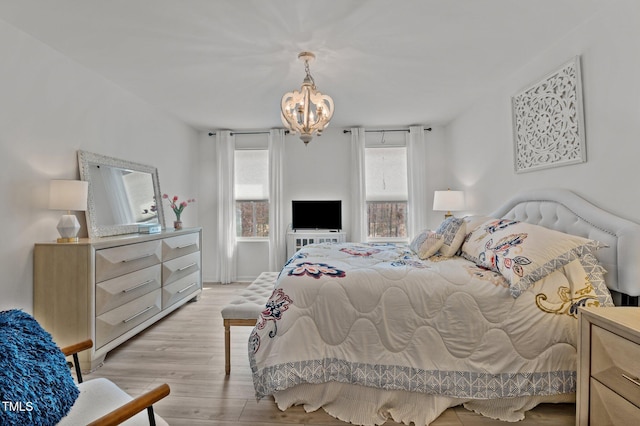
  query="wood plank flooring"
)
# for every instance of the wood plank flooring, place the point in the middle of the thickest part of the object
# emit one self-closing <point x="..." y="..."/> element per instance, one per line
<point x="186" y="350"/>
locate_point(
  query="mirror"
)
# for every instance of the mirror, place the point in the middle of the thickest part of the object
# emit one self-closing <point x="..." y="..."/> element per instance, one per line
<point x="122" y="194"/>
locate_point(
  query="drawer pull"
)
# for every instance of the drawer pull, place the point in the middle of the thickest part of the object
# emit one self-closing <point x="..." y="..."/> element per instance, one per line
<point x="137" y="286"/>
<point x="188" y="266"/>
<point x="187" y="287"/>
<point x="147" y="309"/>
<point x="144" y="256"/>
<point x="185" y="246"/>
<point x="632" y="379"/>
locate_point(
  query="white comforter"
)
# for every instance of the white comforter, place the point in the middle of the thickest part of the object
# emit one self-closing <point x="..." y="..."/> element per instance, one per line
<point x="377" y="316"/>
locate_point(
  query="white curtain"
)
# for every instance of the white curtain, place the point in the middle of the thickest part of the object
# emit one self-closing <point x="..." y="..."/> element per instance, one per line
<point x="417" y="181"/>
<point x="358" y="187"/>
<point x="226" y="239"/>
<point x="277" y="227"/>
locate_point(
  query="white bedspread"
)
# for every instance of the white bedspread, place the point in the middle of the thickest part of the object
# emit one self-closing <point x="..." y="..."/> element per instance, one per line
<point x="377" y="316"/>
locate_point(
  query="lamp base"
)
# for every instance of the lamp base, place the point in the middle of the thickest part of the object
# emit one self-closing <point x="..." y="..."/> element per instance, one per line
<point x="68" y="240"/>
<point x="68" y="228"/>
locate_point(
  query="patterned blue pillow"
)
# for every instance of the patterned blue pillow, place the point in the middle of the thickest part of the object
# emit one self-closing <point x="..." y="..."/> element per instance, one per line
<point x="419" y="240"/>
<point x="453" y="231"/>
<point x="36" y="386"/>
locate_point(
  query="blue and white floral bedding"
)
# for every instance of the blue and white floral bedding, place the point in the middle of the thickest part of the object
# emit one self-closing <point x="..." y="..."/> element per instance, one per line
<point x="375" y="315"/>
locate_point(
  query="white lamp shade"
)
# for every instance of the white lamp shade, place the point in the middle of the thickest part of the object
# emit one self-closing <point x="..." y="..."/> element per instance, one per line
<point x="68" y="195"/>
<point x="448" y="201"/>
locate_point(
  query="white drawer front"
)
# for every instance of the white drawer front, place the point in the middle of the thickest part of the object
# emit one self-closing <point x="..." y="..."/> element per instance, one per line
<point x="120" y="290"/>
<point x="173" y="270"/>
<point x="122" y="319"/>
<point x="116" y="261"/>
<point x="180" y="289"/>
<point x="181" y="245"/>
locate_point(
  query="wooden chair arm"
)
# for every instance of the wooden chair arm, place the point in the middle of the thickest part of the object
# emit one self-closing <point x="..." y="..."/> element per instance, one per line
<point x="77" y="347"/>
<point x="133" y="407"/>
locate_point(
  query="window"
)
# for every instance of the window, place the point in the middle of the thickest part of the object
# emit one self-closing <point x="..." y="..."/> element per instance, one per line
<point x="251" y="170"/>
<point x="386" y="191"/>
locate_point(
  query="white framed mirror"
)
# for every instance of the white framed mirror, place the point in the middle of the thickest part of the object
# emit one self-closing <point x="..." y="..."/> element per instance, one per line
<point x="122" y="194"/>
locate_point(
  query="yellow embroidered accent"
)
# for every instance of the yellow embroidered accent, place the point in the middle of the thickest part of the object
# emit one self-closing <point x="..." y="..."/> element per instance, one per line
<point x="567" y="303"/>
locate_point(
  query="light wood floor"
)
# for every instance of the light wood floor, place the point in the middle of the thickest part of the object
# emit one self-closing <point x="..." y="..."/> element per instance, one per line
<point x="186" y="350"/>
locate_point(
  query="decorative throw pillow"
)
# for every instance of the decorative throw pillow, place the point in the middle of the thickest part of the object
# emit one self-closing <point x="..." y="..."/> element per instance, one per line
<point x="522" y="252"/>
<point x="453" y="231"/>
<point x="431" y="245"/>
<point x="418" y="240"/>
<point x="36" y="386"/>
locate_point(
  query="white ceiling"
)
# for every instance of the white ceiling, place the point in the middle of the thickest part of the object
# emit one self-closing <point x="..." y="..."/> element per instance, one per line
<point x="226" y="64"/>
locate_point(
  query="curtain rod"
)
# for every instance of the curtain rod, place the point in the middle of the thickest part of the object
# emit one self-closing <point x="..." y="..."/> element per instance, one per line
<point x="286" y="132"/>
<point x="262" y="132"/>
<point x="427" y="129"/>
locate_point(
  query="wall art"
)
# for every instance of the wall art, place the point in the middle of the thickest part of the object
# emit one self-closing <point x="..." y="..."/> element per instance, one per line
<point x="548" y="122"/>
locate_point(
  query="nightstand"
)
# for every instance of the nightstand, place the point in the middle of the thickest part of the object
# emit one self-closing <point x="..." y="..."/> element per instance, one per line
<point x="608" y="366"/>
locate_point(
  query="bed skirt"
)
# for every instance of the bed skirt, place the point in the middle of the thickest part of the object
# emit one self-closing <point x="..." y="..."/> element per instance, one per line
<point x="367" y="406"/>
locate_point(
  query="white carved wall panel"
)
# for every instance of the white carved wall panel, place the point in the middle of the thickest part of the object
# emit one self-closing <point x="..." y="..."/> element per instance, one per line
<point x="548" y="122"/>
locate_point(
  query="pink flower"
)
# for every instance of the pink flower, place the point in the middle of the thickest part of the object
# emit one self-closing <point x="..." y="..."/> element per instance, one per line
<point x="177" y="208"/>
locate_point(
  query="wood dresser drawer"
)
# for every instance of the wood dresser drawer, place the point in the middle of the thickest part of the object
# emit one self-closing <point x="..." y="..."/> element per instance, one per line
<point x="608" y="389"/>
<point x="608" y="408"/>
<point x="615" y="362"/>
<point x="120" y="290"/>
<point x="179" y="246"/>
<point x="180" y="289"/>
<point x="116" y="261"/>
<point x="118" y="321"/>
<point x="180" y="267"/>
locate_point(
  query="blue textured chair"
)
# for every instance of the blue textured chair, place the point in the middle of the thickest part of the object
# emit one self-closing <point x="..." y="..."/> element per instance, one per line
<point x="37" y="387"/>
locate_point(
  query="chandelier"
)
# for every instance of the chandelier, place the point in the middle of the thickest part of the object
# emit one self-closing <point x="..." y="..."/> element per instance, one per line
<point x="308" y="111"/>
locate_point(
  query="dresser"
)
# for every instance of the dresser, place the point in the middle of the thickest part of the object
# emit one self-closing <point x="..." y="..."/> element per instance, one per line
<point x="111" y="288"/>
<point x="608" y="366"/>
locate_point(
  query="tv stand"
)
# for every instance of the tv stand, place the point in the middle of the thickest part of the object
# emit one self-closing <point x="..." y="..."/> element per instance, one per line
<point x="299" y="238"/>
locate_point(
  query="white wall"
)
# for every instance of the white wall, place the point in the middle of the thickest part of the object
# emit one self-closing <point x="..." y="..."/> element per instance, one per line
<point x="481" y="140"/>
<point x="50" y="107"/>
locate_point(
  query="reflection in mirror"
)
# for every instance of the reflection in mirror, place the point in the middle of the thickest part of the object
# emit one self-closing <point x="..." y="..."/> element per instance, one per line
<point x="122" y="194"/>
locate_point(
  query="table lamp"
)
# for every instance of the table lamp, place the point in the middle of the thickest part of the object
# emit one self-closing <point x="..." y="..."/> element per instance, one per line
<point x="68" y="195"/>
<point x="448" y="201"/>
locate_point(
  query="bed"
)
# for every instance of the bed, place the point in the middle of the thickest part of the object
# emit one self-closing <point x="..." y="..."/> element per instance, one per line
<point x="480" y="312"/>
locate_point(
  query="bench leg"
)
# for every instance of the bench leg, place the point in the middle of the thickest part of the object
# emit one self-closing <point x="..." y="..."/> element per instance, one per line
<point x="227" y="339"/>
<point x="227" y="347"/>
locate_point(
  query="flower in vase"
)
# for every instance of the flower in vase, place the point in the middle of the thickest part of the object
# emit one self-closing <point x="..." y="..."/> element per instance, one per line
<point x="176" y="206"/>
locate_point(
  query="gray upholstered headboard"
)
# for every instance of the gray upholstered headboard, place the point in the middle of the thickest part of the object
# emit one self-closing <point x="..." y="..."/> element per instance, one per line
<point x="563" y="210"/>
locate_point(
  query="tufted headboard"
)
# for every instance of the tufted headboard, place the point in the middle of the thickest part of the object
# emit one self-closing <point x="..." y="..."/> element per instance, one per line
<point x="564" y="211"/>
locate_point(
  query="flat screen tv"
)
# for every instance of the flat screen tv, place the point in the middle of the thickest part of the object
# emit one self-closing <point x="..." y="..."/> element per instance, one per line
<point x="317" y="214"/>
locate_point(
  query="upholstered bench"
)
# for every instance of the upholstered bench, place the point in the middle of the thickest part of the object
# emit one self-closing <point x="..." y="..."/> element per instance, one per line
<point x="245" y="309"/>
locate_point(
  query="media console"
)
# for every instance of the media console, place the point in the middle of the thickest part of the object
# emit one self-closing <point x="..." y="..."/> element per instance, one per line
<point x="298" y="239"/>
